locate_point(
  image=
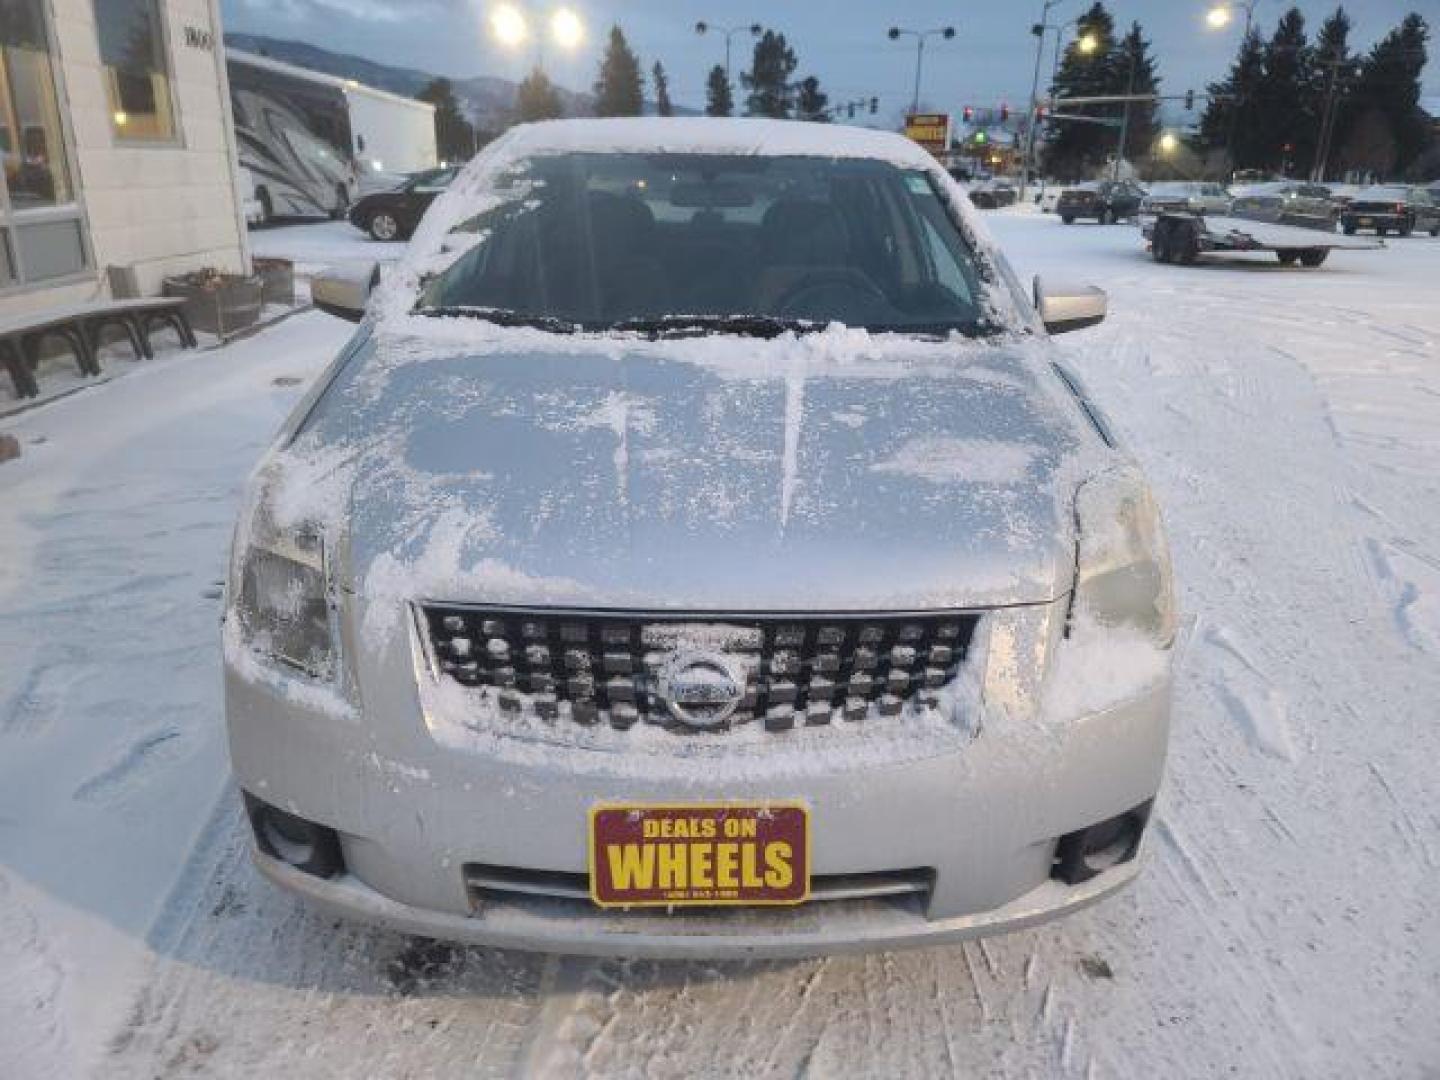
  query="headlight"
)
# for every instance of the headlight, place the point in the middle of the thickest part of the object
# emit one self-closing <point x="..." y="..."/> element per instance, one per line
<point x="283" y="602"/>
<point x="1123" y="577"/>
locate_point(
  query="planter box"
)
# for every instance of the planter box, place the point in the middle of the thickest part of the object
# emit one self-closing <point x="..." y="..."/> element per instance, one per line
<point x="277" y="280"/>
<point x="224" y="309"/>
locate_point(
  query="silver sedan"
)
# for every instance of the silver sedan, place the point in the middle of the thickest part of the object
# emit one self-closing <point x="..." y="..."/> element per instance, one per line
<point x="700" y="550"/>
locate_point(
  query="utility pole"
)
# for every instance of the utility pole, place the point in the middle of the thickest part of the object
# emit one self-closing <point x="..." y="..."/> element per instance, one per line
<point x="1125" y="116"/>
<point x="1039" y="31"/>
<point x="1327" y="118"/>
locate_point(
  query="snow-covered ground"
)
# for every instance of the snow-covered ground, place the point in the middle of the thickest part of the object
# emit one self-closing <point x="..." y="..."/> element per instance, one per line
<point x="1286" y="925"/>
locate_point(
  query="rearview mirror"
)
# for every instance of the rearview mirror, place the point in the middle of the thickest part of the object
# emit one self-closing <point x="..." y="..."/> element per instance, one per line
<point x="343" y="291"/>
<point x="1063" y="308"/>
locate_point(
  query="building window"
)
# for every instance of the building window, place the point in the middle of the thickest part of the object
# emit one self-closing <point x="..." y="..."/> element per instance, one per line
<point x="31" y="138"/>
<point x="137" y="79"/>
<point x="41" y="233"/>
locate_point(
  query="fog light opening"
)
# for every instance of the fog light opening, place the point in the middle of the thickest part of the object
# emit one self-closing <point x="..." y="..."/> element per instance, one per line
<point x="308" y="847"/>
<point x="1082" y="855"/>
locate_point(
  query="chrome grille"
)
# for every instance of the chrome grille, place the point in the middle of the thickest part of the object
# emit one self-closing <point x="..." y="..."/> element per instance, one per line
<point x="591" y="667"/>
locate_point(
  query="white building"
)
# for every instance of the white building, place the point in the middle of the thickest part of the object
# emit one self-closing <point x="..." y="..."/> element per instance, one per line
<point x="116" y="139"/>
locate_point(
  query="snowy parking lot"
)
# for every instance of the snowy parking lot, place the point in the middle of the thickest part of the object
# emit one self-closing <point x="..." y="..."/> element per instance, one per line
<point x="1285" y="926"/>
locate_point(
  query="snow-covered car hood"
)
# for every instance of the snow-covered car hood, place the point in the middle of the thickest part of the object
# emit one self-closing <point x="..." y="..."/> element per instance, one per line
<point x="827" y="471"/>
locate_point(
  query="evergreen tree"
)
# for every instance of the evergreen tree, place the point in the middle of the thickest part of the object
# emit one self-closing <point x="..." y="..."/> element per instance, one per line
<point x="719" y="99"/>
<point x="1286" y="124"/>
<point x="1134" y="49"/>
<point x="454" y="135"/>
<point x="537" y="99"/>
<point x="768" y="80"/>
<point x="663" y="105"/>
<point x="810" y="101"/>
<point x="1230" y="118"/>
<point x="1078" y="149"/>
<point x="1388" y="94"/>
<point x="619" y="90"/>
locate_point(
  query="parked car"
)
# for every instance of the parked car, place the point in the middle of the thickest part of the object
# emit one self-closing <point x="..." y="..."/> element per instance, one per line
<point x="604" y="582"/>
<point x="1287" y="202"/>
<point x="993" y="194"/>
<point x="1048" y="196"/>
<point x="393" y="215"/>
<point x="1190" y="196"/>
<point x="1392" y="208"/>
<point x="1104" y="200"/>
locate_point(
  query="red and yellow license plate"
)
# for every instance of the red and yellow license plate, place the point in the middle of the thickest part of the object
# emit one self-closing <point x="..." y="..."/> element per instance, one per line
<point x="693" y="854"/>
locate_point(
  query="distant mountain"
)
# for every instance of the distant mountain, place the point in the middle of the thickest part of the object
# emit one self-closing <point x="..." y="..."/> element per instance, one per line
<point x="487" y="99"/>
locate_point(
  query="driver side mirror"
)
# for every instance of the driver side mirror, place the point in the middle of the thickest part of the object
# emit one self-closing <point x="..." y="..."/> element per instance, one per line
<point x="343" y="291"/>
<point x="1063" y="308"/>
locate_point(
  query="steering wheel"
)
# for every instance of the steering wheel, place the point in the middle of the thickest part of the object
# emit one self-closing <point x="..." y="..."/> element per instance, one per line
<point x="793" y="301"/>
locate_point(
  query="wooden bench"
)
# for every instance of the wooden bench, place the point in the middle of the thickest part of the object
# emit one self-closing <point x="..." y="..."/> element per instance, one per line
<point x="80" y="326"/>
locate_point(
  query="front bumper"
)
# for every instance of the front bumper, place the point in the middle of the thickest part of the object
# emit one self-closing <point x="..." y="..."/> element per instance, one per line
<point x="826" y="929"/>
<point x="980" y="815"/>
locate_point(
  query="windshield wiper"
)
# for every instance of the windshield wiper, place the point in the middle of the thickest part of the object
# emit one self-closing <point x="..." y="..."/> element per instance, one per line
<point x="500" y="317"/>
<point x="760" y="326"/>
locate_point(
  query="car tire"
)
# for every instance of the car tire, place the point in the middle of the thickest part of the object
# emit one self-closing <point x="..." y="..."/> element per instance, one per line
<point x="1348" y="228"/>
<point x="1160" y="242"/>
<point x="1068" y="219"/>
<point x="1381" y="230"/>
<point x="1313" y="257"/>
<point x="1435" y="229"/>
<point x="383" y="226"/>
<point x="1406" y="228"/>
<point x="1185" y="243"/>
<point x="1287" y="256"/>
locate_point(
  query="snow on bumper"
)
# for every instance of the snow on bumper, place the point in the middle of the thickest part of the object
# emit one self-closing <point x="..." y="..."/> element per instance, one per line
<point x="980" y="816"/>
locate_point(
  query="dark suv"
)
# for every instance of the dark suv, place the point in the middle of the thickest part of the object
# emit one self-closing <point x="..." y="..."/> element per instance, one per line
<point x="393" y="215"/>
<point x="1392" y="208"/>
<point x="1105" y="201"/>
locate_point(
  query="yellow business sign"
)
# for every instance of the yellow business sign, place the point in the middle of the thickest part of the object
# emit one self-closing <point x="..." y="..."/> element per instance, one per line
<point x="930" y="130"/>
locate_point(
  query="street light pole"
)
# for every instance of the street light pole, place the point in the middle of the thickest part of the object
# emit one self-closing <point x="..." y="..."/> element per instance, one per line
<point x="1039" y="31"/>
<point x="946" y="32"/>
<point x="1218" y="17"/>
<point x="753" y="29"/>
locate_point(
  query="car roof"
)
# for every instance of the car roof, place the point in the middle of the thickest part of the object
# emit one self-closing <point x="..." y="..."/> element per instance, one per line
<point x="714" y="135"/>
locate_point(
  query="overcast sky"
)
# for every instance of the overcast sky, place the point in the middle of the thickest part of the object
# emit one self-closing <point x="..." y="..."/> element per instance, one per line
<point x="842" y="41"/>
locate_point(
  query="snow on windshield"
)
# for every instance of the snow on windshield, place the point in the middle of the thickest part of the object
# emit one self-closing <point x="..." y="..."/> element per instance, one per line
<point x="948" y="283"/>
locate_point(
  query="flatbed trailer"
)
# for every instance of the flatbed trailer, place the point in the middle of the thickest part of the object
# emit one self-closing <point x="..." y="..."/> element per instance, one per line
<point x="1182" y="237"/>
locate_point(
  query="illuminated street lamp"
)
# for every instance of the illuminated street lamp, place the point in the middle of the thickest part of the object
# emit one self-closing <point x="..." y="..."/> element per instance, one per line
<point x="508" y="24"/>
<point x="895" y="32"/>
<point x="511" y="28"/>
<point x="566" y="28"/>
<point x="1088" y="43"/>
<point x="1168" y="142"/>
<point x="703" y="27"/>
<point x="1218" y="17"/>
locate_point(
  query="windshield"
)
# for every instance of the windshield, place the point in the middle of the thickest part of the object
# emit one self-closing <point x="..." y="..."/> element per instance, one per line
<point x="609" y="241"/>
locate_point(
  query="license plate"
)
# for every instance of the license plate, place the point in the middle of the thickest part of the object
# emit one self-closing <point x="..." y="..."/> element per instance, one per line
<point x="1367" y="221"/>
<point x="699" y="854"/>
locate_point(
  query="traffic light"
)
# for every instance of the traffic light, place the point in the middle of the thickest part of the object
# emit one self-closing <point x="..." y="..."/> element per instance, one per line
<point x="968" y="113"/>
<point x="1189" y="99"/>
<point x="981" y="138"/>
<point x="1004" y="113"/>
